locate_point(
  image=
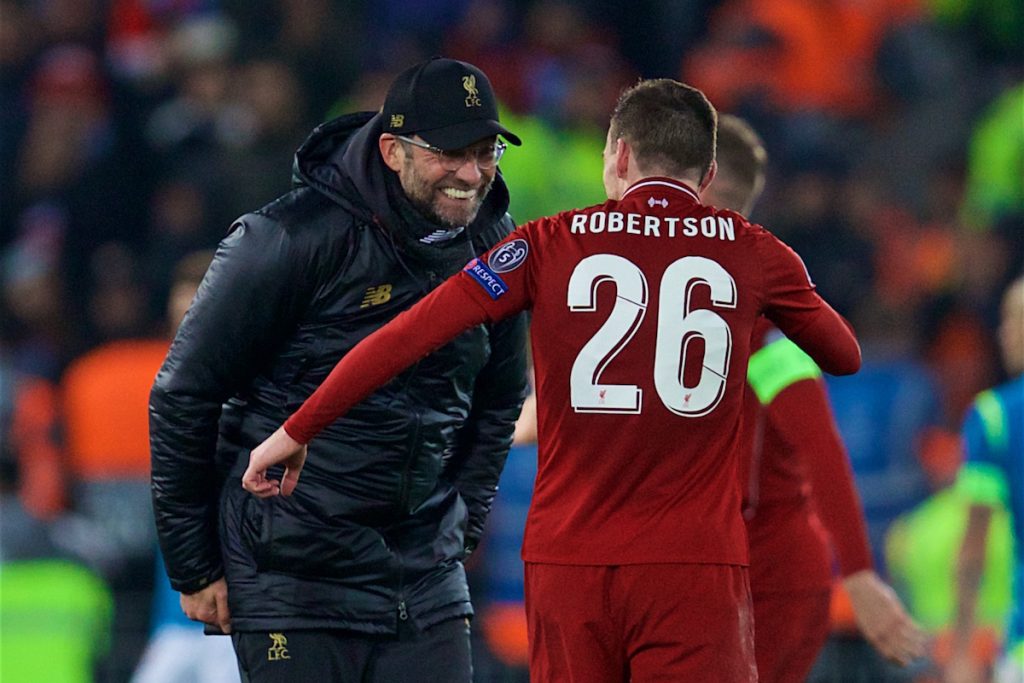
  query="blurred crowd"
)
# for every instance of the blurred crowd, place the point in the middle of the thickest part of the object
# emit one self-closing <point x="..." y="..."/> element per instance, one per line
<point x="132" y="132"/>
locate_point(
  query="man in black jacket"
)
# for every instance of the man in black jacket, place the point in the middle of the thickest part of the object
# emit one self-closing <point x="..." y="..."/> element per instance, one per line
<point x="359" y="575"/>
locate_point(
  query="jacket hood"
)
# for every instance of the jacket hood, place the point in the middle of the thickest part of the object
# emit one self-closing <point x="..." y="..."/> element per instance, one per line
<point x="341" y="159"/>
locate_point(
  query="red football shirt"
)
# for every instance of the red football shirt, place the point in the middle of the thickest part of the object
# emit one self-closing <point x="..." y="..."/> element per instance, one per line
<point x="642" y="316"/>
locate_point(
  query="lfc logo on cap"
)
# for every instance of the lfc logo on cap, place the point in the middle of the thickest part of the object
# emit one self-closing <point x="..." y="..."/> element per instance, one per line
<point x="469" y="83"/>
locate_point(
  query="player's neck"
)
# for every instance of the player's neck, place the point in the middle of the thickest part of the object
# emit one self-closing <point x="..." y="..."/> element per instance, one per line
<point x="691" y="180"/>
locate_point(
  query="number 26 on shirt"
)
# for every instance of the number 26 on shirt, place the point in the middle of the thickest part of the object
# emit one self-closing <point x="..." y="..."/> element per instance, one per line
<point x="678" y="325"/>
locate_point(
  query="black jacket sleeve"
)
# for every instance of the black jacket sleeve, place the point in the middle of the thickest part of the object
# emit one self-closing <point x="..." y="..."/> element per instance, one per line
<point x="486" y="437"/>
<point x="247" y="305"/>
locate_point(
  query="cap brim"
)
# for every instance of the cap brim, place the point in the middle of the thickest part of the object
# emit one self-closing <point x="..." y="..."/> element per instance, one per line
<point x="464" y="134"/>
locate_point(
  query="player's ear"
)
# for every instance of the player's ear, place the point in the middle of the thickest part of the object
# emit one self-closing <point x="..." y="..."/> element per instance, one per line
<point x="709" y="176"/>
<point x="623" y="155"/>
<point x="391" y="151"/>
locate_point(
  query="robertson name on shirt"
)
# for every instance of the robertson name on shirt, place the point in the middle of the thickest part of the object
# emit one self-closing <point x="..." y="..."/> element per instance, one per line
<point x="647" y="225"/>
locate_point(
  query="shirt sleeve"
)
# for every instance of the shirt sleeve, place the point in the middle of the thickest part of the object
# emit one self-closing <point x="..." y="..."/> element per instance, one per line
<point x="489" y="289"/>
<point x="792" y="303"/>
<point x="801" y="414"/>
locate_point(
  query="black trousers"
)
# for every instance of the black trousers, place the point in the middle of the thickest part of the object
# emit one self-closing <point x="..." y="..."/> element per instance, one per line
<point x="440" y="654"/>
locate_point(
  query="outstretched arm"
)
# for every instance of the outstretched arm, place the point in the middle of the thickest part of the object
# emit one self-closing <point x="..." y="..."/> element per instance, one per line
<point x="438" y="318"/>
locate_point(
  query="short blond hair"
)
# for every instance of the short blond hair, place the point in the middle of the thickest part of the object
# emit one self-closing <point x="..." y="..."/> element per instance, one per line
<point x="670" y="126"/>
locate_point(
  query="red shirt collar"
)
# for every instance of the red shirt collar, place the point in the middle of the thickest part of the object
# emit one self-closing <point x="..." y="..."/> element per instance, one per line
<point x="656" y="185"/>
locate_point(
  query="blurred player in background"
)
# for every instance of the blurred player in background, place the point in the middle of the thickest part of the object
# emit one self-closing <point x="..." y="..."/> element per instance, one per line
<point x="993" y="475"/>
<point x="643" y="309"/>
<point x="798" y="476"/>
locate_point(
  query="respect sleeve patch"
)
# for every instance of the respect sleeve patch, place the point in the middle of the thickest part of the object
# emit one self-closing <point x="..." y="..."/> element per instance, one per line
<point x="486" y="278"/>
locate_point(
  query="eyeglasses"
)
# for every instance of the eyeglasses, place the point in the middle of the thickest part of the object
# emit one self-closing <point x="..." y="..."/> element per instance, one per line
<point x="485" y="157"/>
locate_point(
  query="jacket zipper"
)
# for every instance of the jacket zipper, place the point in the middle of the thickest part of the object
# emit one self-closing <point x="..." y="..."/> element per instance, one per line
<point x="403" y="491"/>
<point x="403" y="500"/>
<point x="403" y="496"/>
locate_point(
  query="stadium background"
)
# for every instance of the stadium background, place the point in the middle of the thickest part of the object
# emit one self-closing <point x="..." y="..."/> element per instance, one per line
<point x="133" y="131"/>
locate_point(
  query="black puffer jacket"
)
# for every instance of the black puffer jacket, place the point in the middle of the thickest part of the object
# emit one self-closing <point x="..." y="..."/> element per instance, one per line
<point x="393" y="493"/>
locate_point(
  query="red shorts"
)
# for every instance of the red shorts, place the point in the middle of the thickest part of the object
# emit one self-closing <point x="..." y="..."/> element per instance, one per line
<point x="639" y="623"/>
<point x="791" y="630"/>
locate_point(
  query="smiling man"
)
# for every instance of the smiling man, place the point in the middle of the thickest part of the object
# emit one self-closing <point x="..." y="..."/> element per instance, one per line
<point x="359" y="577"/>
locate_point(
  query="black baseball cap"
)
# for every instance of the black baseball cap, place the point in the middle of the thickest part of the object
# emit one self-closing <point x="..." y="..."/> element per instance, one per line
<point x="448" y="103"/>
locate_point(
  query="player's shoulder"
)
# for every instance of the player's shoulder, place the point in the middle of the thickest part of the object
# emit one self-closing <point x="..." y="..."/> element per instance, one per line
<point x="1010" y="392"/>
<point x="993" y="413"/>
<point x="744" y="226"/>
<point x="745" y="229"/>
<point x="1007" y="398"/>
<point x="991" y="428"/>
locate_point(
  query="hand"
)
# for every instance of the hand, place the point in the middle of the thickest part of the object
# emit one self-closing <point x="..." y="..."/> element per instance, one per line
<point x="278" y="448"/>
<point x="882" y="618"/>
<point x="209" y="605"/>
